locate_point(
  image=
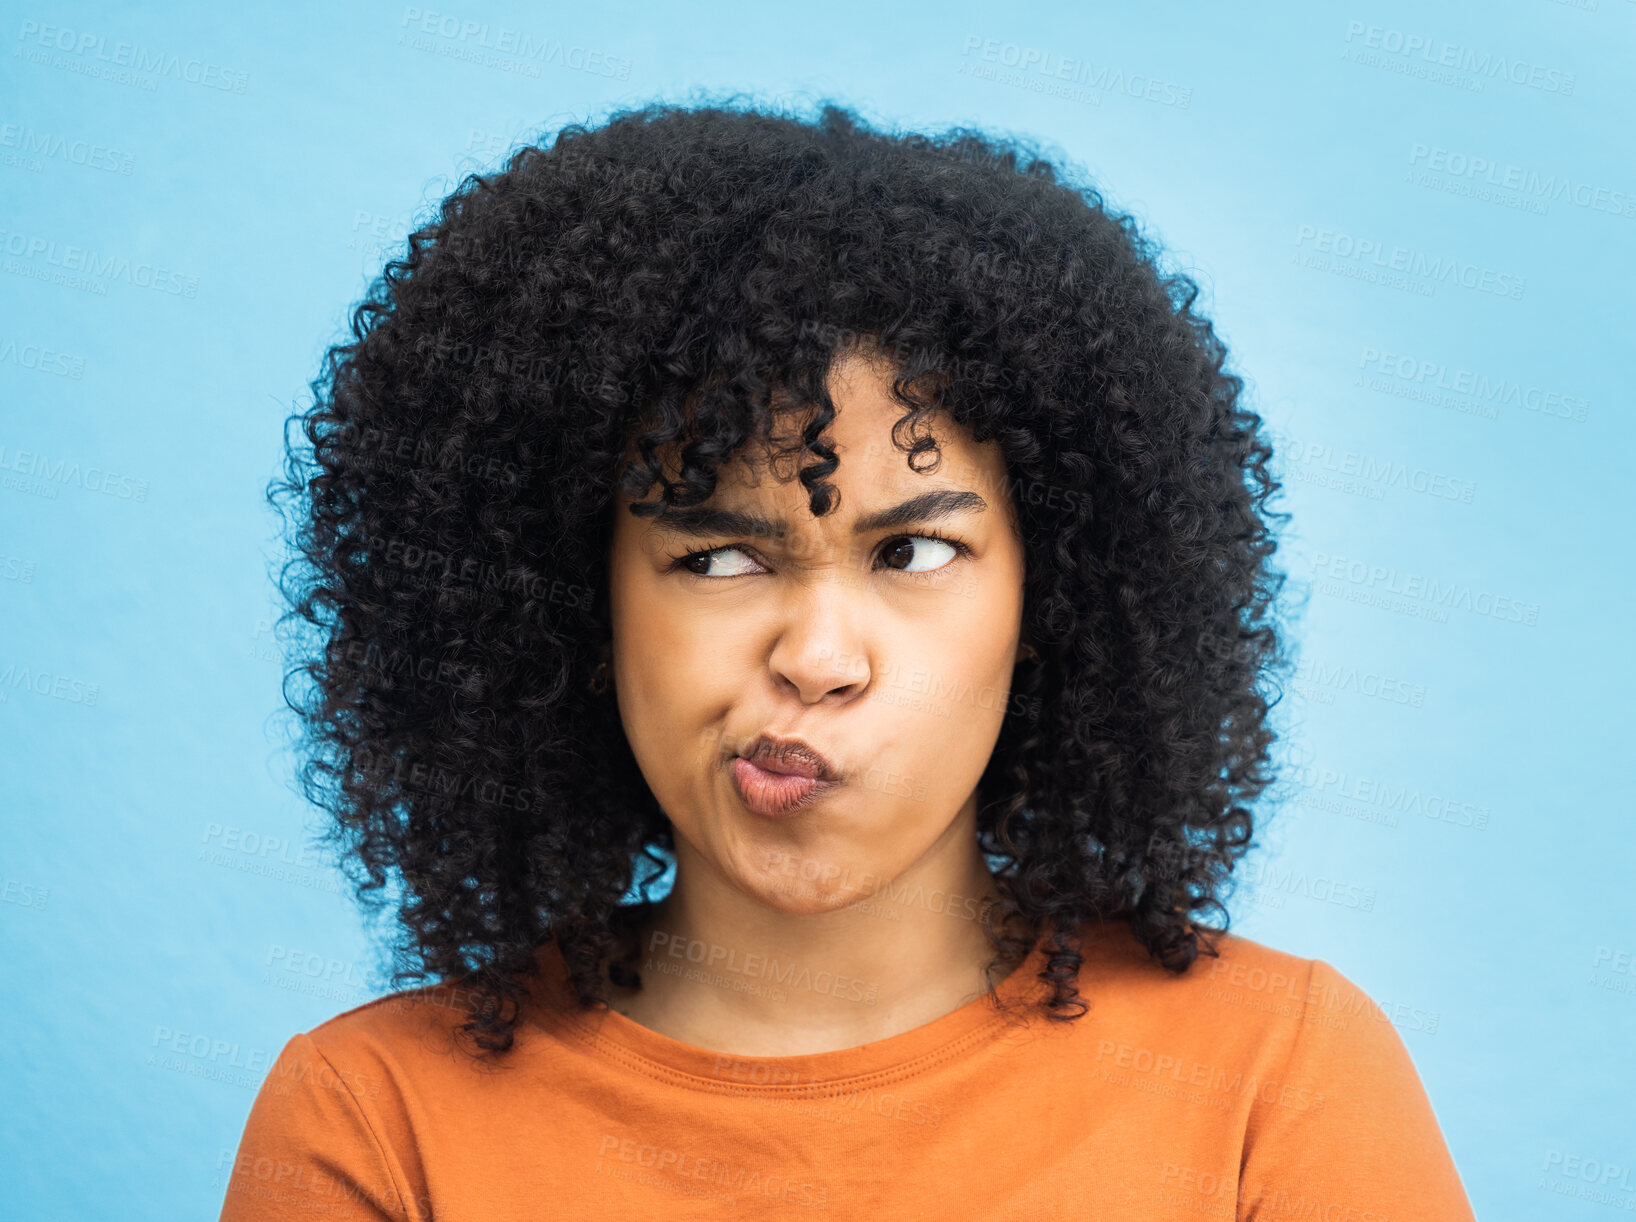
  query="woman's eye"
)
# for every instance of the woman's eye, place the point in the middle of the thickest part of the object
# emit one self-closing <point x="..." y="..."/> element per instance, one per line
<point x="904" y="554"/>
<point x="699" y="563"/>
<point x="916" y="546"/>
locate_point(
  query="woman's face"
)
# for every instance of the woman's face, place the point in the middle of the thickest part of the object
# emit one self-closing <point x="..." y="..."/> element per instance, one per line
<point x="886" y="650"/>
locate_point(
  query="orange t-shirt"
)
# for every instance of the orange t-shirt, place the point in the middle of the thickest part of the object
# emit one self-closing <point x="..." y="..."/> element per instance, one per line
<point x="1256" y="1085"/>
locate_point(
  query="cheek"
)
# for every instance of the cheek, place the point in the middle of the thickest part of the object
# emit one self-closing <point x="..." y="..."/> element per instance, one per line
<point x="670" y="748"/>
<point x="945" y="704"/>
<point x="673" y="690"/>
<point x="927" y="740"/>
<point x="678" y="667"/>
<point x="663" y="699"/>
<point x="943" y="749"/>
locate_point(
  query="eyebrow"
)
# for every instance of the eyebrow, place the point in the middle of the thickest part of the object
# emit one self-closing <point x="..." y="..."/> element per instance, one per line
<point x="703" y="521"/>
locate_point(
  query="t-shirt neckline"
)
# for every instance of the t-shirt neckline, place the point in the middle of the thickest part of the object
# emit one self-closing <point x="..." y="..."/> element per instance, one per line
<point x="617" y="1037"/>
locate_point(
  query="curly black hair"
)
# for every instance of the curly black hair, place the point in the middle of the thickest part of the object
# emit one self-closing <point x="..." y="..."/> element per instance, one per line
<point x="664" y="284"/>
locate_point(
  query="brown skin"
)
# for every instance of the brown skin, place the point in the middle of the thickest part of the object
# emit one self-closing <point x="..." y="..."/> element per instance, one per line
<point x="889" y="653"/>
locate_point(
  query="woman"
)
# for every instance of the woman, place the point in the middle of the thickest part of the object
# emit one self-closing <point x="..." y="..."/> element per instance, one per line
<point x="862" y="524"/>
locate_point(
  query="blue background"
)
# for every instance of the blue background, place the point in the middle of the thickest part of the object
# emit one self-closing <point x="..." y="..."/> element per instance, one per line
<point x="1451" y="833"/>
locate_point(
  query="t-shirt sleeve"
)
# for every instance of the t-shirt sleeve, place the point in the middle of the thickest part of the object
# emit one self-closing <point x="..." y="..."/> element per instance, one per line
<point x="308" y="1148"/>
<point x="1349" y="1131"/>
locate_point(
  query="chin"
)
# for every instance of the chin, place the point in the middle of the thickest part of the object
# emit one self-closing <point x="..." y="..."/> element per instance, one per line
<point x="802" y="898"/>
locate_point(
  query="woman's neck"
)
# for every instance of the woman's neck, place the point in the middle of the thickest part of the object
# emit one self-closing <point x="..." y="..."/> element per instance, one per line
<point x="725" y="972"/>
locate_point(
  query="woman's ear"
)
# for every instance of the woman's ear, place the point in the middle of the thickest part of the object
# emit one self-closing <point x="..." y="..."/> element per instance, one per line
<point x="602" y="674"/>
<point x="1026" y="653"/>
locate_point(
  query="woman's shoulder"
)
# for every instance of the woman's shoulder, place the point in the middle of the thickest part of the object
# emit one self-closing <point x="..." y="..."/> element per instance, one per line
<point x="414" y="1030"/>
<point x="1225" y="963"/>
<point x="343" y="1102"/>
<point x="1328" y="1102"/>
<point x="1236" y="991"/>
